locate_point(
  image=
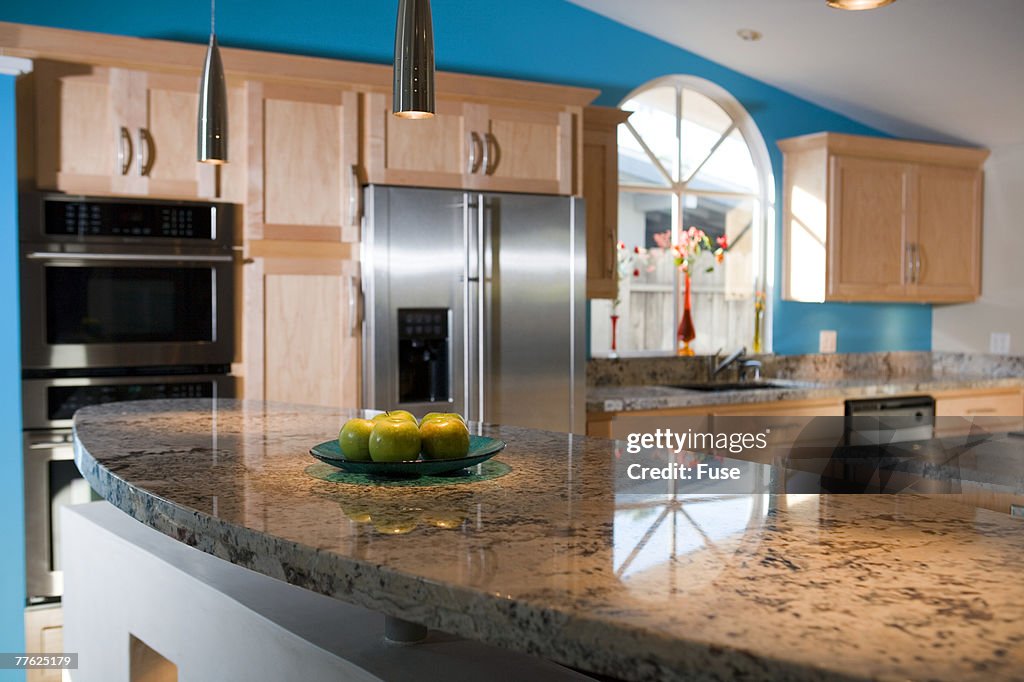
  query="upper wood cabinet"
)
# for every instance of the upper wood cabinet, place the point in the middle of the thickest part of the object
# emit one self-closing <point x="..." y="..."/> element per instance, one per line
<point x="601" y="193"/>
<point x="868" y="219"/>
<point x="469" y="145"/>
<point x="100" y="130"/>
<point x="303" y="158"/>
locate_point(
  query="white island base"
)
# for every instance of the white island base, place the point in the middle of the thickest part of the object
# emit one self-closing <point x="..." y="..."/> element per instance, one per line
<point x="142" y="606"/>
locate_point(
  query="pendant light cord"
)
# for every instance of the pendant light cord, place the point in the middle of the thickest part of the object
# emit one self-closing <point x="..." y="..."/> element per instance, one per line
<point x="213" y="16"/>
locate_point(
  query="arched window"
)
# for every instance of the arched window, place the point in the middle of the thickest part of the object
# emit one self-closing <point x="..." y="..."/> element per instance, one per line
<point x="689" y="156"/>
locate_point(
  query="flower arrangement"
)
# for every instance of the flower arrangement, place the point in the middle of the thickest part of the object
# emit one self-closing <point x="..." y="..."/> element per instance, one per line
<point x="631" y="262"/>
<point x="695" y="242"/>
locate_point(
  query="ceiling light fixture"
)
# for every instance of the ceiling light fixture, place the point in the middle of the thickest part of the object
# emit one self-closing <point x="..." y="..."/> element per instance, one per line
<point x="858" y="4"/>
<point x="213" y="104"/>
<point x="749" y="35"/>
<point x="414" y="61"/>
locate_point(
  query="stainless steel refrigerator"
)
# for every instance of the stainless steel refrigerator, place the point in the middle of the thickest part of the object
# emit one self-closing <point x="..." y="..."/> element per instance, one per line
<point x="475" y="303"/>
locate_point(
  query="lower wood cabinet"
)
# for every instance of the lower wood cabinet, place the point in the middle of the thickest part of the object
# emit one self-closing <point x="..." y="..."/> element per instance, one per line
<point x="997" y="410"/>
<point x="300" y="316"/>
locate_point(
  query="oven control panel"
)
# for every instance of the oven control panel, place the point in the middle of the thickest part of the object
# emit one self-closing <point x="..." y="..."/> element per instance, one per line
<point x="66" y="218"/>
<point x="63" y="401"/>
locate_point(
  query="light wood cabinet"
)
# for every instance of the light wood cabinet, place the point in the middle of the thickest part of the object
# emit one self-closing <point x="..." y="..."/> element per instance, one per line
<point x="100" y="130"/>
<point x="472" y="145"/>
<point x="999" y="410"/>
<point x="601" y="193"/>
<point x="303" y="163"/>
<point x="301" y="323"/>
<point x="868" y="219"/>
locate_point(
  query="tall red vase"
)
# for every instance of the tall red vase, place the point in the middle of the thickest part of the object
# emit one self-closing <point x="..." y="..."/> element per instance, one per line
<point x="686" y="332"/>
<point x="615" y="324"/>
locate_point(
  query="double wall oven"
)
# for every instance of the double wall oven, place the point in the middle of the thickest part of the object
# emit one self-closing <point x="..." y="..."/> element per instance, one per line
<point x="121" y="299"/>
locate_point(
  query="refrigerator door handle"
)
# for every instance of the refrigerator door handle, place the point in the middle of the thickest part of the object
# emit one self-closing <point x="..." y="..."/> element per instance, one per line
<point x="481" y="298"/>
<point x="466" y="346"/>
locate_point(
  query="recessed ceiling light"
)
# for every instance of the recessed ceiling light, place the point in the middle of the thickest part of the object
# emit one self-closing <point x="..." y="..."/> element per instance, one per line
<point x="858" y="4"/>
<point x="749" y="34"/>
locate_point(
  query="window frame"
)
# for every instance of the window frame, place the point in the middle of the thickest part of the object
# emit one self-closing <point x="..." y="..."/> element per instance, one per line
<point x="744" y="123"/>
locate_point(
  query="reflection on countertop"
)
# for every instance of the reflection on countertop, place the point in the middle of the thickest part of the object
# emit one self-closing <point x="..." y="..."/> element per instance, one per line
<point x="549" y="560"/>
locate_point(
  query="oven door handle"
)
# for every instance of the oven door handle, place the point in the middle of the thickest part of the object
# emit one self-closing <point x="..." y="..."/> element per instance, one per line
<point x="152" y="257"/>
<point x="68" y="449"/>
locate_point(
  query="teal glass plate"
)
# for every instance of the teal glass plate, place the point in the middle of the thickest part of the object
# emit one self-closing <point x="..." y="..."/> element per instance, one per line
<point x="481" y="449"/>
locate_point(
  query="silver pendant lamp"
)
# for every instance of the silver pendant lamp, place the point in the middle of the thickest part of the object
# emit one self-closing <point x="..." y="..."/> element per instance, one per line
<point x="213" y="104"/>
<point x="414" y="61"/>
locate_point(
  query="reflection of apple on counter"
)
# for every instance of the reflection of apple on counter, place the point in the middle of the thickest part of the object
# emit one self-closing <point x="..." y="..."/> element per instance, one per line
<point x="399" y="520"/>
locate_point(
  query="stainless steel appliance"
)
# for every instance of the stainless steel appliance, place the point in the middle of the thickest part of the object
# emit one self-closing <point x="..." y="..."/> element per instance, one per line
<point x="125" y="283"/>
<point x="121" y="299"/>
<point x="880" y="421"/>
<point x="51" y="479"/>
<point x="475" y="303"/>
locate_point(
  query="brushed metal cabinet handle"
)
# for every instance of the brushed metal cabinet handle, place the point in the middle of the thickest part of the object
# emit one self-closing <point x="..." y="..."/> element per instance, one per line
<point x="908" y="272"/>
<point x="354" y="318"/>
<point x="492" y="153"/>
<point x="353" y="196"/>
<point x="125" y="150"/>
<point x="918" y="267"/>
<point x="476" y="152"/>
<point x="146" y="145"/>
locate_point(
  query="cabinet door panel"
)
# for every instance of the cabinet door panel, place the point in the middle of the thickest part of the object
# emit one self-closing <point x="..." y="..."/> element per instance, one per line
<point x="431" y="152"/>
<point x="868" y="227"/>
<point x="301" y="161"/>
<point x="529" y="151"/>
<point x="76" y="134"/>
<point x="300" y="344"/>
<point x="172" y="104"/>
<point x="948" y="234"/>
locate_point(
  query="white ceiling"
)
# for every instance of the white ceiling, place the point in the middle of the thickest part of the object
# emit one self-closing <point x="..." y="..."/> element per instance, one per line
<point x="949" y="70"/>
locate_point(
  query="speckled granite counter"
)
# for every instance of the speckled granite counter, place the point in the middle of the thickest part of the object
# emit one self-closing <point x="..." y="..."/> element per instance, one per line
<point x="630" y="398"/>
<point x="548" y="561"/>
<point x="626" y="385"/>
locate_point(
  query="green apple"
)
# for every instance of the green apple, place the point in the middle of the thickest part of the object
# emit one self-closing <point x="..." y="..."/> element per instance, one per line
<point x="354" y="439"/>
<point x="394" y="440"/>
<point x="444" y="415"/>
<point x="444" y="438"/>
<point x="395" y="413"/>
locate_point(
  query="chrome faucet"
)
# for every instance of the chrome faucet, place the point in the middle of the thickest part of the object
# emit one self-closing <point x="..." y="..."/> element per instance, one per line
<point x="724" y="364"/>
<point x="745" y="365"/>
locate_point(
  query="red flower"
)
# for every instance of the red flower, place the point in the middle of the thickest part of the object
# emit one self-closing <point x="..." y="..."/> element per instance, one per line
<point x="636" y="249"/>
<point x="621" y="246"/>
<point x="723" y="242"/>
<point x="636" y="272"/>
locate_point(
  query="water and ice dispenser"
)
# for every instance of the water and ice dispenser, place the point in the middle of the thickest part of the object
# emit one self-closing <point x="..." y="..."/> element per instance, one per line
<point x="423" y="355"/>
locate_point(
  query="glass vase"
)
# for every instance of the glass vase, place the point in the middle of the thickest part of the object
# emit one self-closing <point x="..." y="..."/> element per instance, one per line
<point x="615" y="324"/>
<point x="686" y="332"/>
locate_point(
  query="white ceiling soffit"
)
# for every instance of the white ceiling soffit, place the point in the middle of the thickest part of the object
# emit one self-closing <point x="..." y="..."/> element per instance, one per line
<point x="946" y="70"/>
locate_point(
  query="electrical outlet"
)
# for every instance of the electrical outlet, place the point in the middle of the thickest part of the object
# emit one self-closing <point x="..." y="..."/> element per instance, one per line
<point x="827" y="341"/>
<point x="1017" y="510"/>
<point x="999" y="343"/>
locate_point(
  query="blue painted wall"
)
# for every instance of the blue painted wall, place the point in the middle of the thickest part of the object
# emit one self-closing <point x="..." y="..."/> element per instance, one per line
<point x="546" y="40"/>
<point x="12" y="559"/>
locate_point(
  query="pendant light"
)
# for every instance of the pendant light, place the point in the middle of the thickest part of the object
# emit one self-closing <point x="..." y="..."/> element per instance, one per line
<point x="858" y="4"/>
<point x="213" y="104"/>
<point x="414" y="61"/>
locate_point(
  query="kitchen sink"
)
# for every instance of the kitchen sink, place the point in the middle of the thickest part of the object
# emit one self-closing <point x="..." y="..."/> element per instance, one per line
<point x="715" y="387"/>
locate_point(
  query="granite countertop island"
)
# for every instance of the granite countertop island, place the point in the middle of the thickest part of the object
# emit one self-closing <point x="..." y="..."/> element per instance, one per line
<point x="548" y="560"/>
